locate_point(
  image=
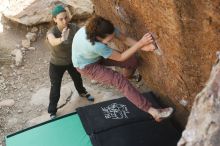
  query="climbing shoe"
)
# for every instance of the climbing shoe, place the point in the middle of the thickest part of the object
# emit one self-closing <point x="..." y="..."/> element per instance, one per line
<point x="136" y="78"/>
<point x="53" y="116"/>
<point x="87" y="95"/>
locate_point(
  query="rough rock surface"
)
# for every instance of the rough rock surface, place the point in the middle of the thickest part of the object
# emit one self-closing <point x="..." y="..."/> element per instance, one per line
<point x="203" y="127"/>
<point x="32" y="12"/>
<point x="18" y="56"/>
<point x="188" y="34"/>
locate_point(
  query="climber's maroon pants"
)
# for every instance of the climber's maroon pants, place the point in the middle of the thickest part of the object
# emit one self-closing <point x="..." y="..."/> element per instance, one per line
<point x="99" y="72"/>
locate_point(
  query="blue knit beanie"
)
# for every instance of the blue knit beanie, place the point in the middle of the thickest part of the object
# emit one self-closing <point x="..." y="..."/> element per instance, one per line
<point x="57" y="9"/>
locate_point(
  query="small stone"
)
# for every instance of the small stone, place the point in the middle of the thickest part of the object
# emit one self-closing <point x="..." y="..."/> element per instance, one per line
<point x="32" y="48"/>
<point x="7" y="102"/>
<point x="12" y="66"/>
<point x="94" y="82"/>
<point x="18" y="56"/>
<point x="34" y="29"/>
<point x="2" y="86"/>
<point x="23" y="49"/>
<point x="14" y="87"/>
<point x="20" y="111"/>
<point x="26" y="43"/>
<point x="31" y="36"/>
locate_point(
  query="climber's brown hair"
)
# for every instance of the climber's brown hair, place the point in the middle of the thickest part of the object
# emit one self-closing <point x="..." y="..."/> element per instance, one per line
<point x="98" y="26"/>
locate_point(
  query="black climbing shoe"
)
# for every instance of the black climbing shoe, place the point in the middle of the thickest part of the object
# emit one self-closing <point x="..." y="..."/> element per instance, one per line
<point x="87" y="95"/>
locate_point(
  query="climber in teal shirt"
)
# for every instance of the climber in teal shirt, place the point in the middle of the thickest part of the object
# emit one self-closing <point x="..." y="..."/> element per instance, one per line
<point x="91" y="55"/>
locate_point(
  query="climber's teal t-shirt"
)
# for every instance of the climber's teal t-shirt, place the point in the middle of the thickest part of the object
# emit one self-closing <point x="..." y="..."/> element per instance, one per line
<point x="84" y="53"/>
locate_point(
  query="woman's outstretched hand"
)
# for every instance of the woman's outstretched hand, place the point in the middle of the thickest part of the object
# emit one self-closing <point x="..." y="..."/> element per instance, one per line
<point x="146" y="39"/>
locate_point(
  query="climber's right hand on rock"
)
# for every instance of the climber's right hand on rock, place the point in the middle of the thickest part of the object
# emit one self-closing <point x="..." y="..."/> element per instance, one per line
<point x="146" y="39"/>
<point x="65" y="34"/>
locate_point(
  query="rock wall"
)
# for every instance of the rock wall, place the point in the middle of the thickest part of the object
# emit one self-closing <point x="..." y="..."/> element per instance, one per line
<point x="188" y="33"/>
<point x="203" y="126"/>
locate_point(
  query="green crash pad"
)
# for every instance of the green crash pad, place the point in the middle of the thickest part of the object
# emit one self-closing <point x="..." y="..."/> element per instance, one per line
<point x="63" y="131"/>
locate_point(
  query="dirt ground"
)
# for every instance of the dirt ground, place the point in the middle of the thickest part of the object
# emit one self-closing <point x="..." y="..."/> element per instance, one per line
<point x="24" y="90"/>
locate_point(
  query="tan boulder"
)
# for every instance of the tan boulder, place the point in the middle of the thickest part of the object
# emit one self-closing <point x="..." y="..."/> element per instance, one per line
<point x="32" y="12"/>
